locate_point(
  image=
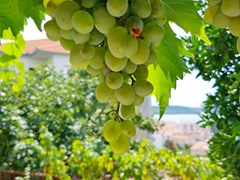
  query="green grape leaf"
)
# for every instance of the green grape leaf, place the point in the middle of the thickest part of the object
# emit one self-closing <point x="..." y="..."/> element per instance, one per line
<point x="185" y="14"/>
<point x="20" y="66"/>
<point x="35" y="10"/>
<point x="169" y="67"/>
<point x="12" y="50"/>
<point x="168" y="55"/>
<point x="7" y="75"/>
<point x="10" y="15"/>
<point x="13" y="14"/>
<point x="162" y="86"/>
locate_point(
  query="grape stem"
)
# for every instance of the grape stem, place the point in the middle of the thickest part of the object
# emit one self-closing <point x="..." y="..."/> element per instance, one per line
<point x="111" y="112"/>
<point x="117" y="111"/>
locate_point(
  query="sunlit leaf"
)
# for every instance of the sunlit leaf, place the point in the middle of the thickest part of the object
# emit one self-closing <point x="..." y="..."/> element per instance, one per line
<point x="185" y="14"/>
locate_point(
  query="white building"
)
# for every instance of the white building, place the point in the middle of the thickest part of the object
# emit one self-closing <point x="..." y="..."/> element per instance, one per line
<point x="45" y="51"/>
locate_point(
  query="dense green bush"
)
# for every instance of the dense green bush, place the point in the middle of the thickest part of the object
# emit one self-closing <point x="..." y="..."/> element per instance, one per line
<point x="219" y="63"/>
<point x="53" y="125"/>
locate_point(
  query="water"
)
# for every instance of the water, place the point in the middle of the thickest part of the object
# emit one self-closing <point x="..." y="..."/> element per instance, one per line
<point x="179" y="117"/>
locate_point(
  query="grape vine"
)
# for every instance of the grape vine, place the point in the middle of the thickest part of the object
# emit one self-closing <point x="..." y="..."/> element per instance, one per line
<point x="225" y="14"/>
<point x="116" y="41"/>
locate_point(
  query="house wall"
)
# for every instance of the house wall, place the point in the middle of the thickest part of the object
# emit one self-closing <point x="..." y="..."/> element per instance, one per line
<point x="61" y="62"/>
<point x="31" y="62"/>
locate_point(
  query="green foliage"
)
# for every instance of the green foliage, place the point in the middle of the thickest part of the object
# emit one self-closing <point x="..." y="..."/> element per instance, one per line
<point x="170" y="67"/>
<point x="53" y="125"/>
<point x="13" y="14"/>
<point x="63" y="106"/>
<point x="220" y="62"/>
<point x="9" y="64"/>
<point x="13" y="17"/>
<point x="143" y="161"/>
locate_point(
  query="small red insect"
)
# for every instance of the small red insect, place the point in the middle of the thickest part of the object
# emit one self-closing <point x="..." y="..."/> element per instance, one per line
<point x="136" y="32"/>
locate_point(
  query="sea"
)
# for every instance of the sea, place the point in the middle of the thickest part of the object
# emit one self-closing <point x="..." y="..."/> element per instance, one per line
<point x="178" y="117"/>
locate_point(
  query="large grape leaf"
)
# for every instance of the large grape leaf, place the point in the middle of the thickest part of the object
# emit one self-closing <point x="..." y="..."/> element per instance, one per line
<point x="185" y="14"/>
<point x="170" y="67"/>
<point x="162" y="86"/>
<point x="13" y="14"/>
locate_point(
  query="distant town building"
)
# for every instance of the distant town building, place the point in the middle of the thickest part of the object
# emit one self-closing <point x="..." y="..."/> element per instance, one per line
<point x="184" y="134"/>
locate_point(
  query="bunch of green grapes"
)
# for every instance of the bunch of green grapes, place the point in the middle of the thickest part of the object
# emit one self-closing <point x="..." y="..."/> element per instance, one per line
<point x="225" y="14"/>
<point x="112" y="39"/>
<point x="118" y="134"/>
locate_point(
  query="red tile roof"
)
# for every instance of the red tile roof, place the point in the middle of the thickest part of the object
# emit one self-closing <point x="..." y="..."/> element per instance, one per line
<point x="44" y="45"/>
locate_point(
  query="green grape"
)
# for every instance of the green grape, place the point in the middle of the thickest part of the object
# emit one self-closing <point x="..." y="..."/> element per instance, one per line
<point x="104" y="21"/>
<point x="111" y="131"/>
<point x="143" y="87"/>
<point x="67" y="43"/>
<point x="134" y="24"/>
<point x="214" y="2"/>
<point x="152" y="57"/>
<point x="127" y="112"/>
<point x="82" y="22"/>
<point x="238" y="45"/>
<point x="231" y="8"/>
<point x="138" y="100"/>
<point x="117" y="8"/>
<point x="64" y="13"/>
<point x="88" y="3"/>
<point x="52" y="30"/>
<point x="153" y="32"/>
<point x="141" y="8"/>
<point x="96" y="37"/>
<point x="125" y="94"/>
<point x="234" y="26"/>
<point x="128" y="128"/>
<point x="103" y="93"/>
<point x="106" y="70"/>
<point x="130" y="68"/>
<point x="76" y="59"/>
<point x="113" y="63"/>
<point x="141" y="72"/>
<point x="66" y="34"/>
<point x="87" y="51"/>
<point x="116" y="43"/>
<point x="162" y="19"/>
<point x="51" y="6"/>
<point x="142" y="53"/>
<point x="157" y="8"/>
<point x="114" y="80"/>
<point x="121" y="145"/>
<point x="97" y="61"/>
<point x="131" y="44"/>
<point x="220" y="20"/>
<point x="210" y="13"/>
<point x="92" y="71"/>
<point x="79" y="37"/>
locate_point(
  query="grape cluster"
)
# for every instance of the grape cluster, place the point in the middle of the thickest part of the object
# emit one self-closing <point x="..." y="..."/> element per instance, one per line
<point x="118" y="134"/>
<point x="225" y="14"/>
<point x="112" y="39"/>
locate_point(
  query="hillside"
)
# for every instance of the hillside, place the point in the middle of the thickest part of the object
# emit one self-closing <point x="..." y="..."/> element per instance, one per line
<point x="178" y="110"/>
